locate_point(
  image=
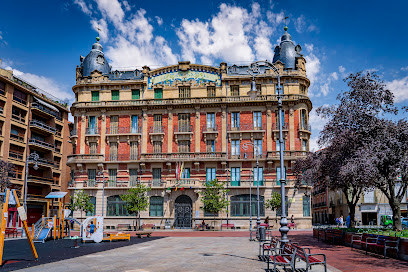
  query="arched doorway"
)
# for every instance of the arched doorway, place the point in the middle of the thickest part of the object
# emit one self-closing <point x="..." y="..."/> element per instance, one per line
<point x="183" y="210"/>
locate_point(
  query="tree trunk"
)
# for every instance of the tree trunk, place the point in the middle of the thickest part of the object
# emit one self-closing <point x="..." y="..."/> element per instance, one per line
<point x="138" y="214"/>
<point x="214" y="222"/>
<point x="352" y="213"/>
<point x="396" y="213"/>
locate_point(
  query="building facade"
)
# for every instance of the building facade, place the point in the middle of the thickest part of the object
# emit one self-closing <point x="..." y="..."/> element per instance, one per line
<point x="320" y="205"/>
<point x="136" y="126"/>
<point x="33" y="121"/>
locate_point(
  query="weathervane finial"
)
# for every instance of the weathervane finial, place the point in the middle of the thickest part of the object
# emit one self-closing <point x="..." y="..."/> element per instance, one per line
<point x="99" y="30"/>
<point x="286" y="25"/>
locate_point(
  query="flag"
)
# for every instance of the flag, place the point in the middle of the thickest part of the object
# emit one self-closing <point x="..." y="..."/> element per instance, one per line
<point x="176" y="188"/>
<point x="181" y="170"/>
<point x="182" y="189"/>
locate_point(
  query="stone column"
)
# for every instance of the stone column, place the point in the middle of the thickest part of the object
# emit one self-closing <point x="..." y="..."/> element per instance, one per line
<point x="83" y="128"/>
<point x="197" y="133"/>
<point x="144" y="131"/>
<point x="224" y="122"/>
<point x="291" y="128"/>
<point x="103" y="132"/>
<point x="170" y="131"/>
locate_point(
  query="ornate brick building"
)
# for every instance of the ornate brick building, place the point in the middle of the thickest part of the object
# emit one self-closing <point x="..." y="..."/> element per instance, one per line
<point x="135" y="126"/>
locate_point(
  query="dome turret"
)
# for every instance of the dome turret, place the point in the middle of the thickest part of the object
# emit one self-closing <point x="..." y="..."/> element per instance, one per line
<point x="95" y="60"/>
<point x="287" y="52"/>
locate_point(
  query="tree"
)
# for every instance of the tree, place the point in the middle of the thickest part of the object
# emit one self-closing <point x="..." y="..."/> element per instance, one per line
<point x="81" y="202"/>
<point x="213" y="197"/>
<point x="274" y="203"/>
<point x="136" y="199"/>
<point x="6" y="171"/>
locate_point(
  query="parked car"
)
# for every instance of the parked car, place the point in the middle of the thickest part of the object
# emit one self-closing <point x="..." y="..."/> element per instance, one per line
<point x="404" y="223"/>
<point x="386" y="221"/>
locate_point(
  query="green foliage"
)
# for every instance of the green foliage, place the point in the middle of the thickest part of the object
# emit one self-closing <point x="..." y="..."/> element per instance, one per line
<point x="136" y="198"/>
<point x="80" y="201"/>
<point x="275" y="202"/>
<point x="213" y="197"/>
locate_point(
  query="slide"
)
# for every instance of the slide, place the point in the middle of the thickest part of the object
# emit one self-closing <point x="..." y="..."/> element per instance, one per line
<point x="43" y="235"/>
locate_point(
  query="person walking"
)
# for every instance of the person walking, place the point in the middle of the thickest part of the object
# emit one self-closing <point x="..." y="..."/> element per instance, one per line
<point x="348" y="221"/>
<point x="341" y="221"/>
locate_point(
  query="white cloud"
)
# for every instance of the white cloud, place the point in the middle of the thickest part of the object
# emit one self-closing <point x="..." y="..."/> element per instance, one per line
<point x="399" y="87"/>
<point x="300" y="24"/>
<point x="112" y="10"/>
<point x="101" y="26"/>
<point x="309" y="47"/>
<point x="334" y="76"/>
<point x="2" y="39"/>
<point x="126" y="5"/>
<point x="317" y="123"/>
<point x="159" y="20"/>
<point x="85" y="9"/>
<point x="402" y="68"/>
<point x="47" y="84"/>
<point x="312" y="66"/>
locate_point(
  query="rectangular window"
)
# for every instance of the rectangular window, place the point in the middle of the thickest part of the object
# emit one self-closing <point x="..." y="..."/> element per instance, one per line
<point x="113" y="173"/>
<point x="91" y="174"/>
<point x="257" y="120"/>
<point x="134" y="151"/>
<point x="113" y="151"/>
<point x="156" y="206"/>
<point x="135" y="94"/>
<point x="259" y="89"/>
<point x="157" y="147"/>
<point x="211" y="91"/>
<point x="157" y="123"/>
<point x="135" y="124"/>
<point x="95" y="95"/>
<point x="133" y="177"/>
<point x="93" y="148"/>
<point x="278" y="146"/>
<point x="235" y="120"/>
<point x="183" y="146"/>
<point x="235" y="147"/>
<point x="304" y="145"/>
<point x="235" y="176"/>
<point x="114" y="124"/>
<point x="302" y="89"/>
<point x="184" y="122"/>
<point x="244" y="205"/>
<point x="258" y="147"/>
<point x="369" y="197"/>
<point x="91" y="122"/>
<point x="184" y="92"/>
<point x="158" y="94"/>
<point x="303" y="120"/>
<point x="278" y="174"/>
<point x="115" y="94"/>
<point x="186" y="173"/>
<point x="210" y="174"/>
<point x="235" y="90"/>
<point x="306" y="205"/>
<point x="211" y="120"/>
<point x="156" y="176"/>
<point x="210" y="146"/>
<point x="258" y="175"/>
<point x="284" y="125"/>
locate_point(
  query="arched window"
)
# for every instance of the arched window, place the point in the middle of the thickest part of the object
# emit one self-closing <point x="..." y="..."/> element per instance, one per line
<point x="116" y="207"/>
<point x="93" y="201"/>
<point x="240" y="205"/>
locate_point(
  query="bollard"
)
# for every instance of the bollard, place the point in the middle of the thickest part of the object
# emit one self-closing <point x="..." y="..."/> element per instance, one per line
<point x="262" y="233"/>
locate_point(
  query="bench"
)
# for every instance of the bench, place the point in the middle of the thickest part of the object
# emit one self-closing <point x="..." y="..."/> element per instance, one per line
<point x="268" y="247"/>
<point x="140" y="234"/>
<point x="231" y="226"/>
<point x="303" y="253"/>
<point x="382" y="244"/>
<point x="283" y="257"/>
<point x="117" y="236"/>
<point x="361" y="239"/>
<point x="123" y="227"/>
<point x="12" y="231"/>
<point x="334" y="235"/>
<point x="148" y="226"/>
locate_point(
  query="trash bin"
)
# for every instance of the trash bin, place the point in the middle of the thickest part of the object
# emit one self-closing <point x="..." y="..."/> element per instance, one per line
<point x="262" y="233"/>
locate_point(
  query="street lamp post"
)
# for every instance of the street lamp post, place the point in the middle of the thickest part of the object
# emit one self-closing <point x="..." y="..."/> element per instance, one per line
<point x="103" y="187"/>
<point x="254" y="69"/>
<point x="250" y="210"/>
<point x="33" y="156"/>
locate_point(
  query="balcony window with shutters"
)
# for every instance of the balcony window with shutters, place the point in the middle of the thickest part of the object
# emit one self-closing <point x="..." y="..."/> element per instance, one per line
<point x="306" y="205"/>
<point x="211" y="120"/>
<point x="135" y="94"/>
<point x="158" y="94"/>
<point x="235" y="120"/>
<point x="210" y="146"/>
<point x="257" y="120"/>
<point x="113" y="173"/>
<point x="235" y="176"/>
<point x="282" y="119"/>
<point x="304" y="145"/>
<point x="258" y="147"/>
<point x="183" y="146"/>
<point x="210" y="174"/>
<point x="184" y="122"/>
<point x="113" y="151"/>
<point x="133" y="151"/>
<point x="114" y="124"/>
<point x="157" y="147"/>
<point x="303" y="119"/>
<point x="186" y="173"/>
<point x="95" y="95"/>
<point x="211" y="91"/>
<point x="184" y="92"/>
<point x="156" y="206"/>
<point x="157" y="123"/>
<point x="278" y="145"/>
<point x="242" y="205"/>
<point x="235" y="147"/>
<point x="258" y="176"/>
<point x="93" y="148"/>
<point x="133" y="177"/>
<point x="235" y="90"/>
<point x="92" y="174"/>
<point x="156" y="176"/>
<point x="115" y="94"/>
<point x="135" y="124"/>
<point x="91" y="125"/>
<point x="278" y="174"/>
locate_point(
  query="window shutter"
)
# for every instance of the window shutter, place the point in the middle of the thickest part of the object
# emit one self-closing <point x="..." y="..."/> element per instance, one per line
<point x="135" y="94"/>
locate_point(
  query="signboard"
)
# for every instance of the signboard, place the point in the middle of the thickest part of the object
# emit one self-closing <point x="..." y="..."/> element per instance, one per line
<point x="22" y="213"/>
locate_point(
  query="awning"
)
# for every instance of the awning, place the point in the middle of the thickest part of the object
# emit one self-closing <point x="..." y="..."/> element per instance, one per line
<point x="45" y="104"/>
<point x="56" y="195"/>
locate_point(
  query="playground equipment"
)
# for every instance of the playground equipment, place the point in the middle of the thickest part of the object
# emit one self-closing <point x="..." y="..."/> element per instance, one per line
<point x="10" y="198"/>
<point x="97" y="236"/>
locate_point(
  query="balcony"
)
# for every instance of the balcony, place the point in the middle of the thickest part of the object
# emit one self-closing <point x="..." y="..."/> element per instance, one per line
<point x="246" y="128"/>
<point x="188" y="182"/>
<point x="123" y="130"/>
<point x="123" y="157"/>
<point x="305" y="127"/>
<point x="92" y="131"/>
<point x="15" y="155"/>
<point x="47" y="111"/>
<point x="73" y="133"/>
<point x="17" y="137"/>
<point x="187" y="129"/>
<point x="287" y="154"/>
<point x="247" y="156"/>
<point x="1" y="110"/>
<point x="157" y="130"/>
<point x="42" y="162"/>
<point x="246" y="183"/>
<point x="20" y="100"/>
<point x="191" y="156"/>
<point x="210" y="129"/>
<point x="85" y="158"/>
<point x="41" y="144"/>
<point x="42" y="126"/>
<point x="90" y="183"/>
<point x="2" y="92"/>
<point x="275" y="127"/>
<point x="18" y="118"/>
<point x="58" y="133"/>
<point x="40" y="180"/>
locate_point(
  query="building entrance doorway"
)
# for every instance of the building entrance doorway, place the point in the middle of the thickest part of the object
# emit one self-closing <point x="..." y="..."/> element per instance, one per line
<point x="183" y="209"/>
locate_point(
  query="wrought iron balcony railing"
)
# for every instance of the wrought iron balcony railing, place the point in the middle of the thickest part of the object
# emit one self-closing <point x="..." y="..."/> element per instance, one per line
<point x="183" y="128"/>
<point x="92" y="131"/>
<point x="275" y="126"/>
<point x="246" y="127"/>
<point x="209" y="129"/>
<point x="39" y="124"/>
<point x="73" y="133"/>
<point x="157" y="129"/>
<point x="123" y="130"/>
<point x="16" y="137"/>
<point x="19" y="100"/>
<point x="305" y="127"/>
<point x="37" y="142"/>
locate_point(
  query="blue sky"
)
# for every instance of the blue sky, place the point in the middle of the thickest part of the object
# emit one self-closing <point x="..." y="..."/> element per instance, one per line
<point x="42" y="41"/>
